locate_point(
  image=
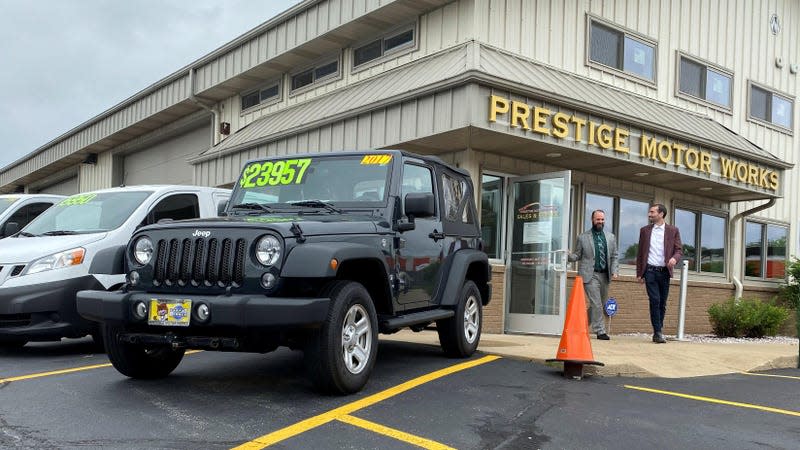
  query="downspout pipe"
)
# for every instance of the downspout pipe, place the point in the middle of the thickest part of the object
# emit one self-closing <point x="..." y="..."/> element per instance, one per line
<point x="738" y="277"/>
<point x="211" y="108"/>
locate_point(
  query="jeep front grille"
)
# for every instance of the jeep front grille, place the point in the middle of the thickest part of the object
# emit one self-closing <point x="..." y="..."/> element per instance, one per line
<point x="200" y="262"/>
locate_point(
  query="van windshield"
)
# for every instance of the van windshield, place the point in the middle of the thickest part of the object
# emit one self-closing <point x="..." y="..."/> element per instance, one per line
<point x="87" y="213"/>
<point x="6" y="203"/>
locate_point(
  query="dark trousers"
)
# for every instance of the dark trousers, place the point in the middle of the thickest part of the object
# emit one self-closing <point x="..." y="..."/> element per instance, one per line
<point x="657" y="285"/>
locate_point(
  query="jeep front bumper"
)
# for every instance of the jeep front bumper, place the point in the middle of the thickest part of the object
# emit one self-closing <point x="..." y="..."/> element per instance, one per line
<point x="235" y="311"/>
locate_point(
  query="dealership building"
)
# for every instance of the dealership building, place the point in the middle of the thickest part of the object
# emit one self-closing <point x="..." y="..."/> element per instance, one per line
<point x="556" y="108"/>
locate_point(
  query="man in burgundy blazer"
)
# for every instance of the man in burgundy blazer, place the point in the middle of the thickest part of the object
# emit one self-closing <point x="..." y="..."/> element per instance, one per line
<point x="654" y="264"/>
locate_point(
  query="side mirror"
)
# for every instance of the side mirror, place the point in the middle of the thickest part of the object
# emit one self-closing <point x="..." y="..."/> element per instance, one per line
<point x="221" y="206"/>
<point x="419" y="204"/>
<point x="10" y="228"/>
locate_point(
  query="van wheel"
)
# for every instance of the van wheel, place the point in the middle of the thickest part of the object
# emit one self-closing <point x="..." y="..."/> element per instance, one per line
<point x="137" y="360"/>
<point x="460" y="334"/>
<point x="340" y="355"/>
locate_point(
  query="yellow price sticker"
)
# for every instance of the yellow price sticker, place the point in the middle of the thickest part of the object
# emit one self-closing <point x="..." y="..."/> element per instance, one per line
<point x="380" y="160"/>
<point x="274" y="173"/>
<point x="80" y="199"/>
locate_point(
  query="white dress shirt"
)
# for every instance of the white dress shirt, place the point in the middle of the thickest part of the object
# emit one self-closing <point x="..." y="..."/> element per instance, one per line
<point x="655" y="256"/>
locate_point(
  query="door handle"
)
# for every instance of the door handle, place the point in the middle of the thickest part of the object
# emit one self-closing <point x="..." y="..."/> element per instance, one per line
<point x="436" y="235"/>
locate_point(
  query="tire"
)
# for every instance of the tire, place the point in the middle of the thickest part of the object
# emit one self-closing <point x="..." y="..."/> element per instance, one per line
<point x="12" y="344"/>
<point x="137" y="360"/>
<point x="460" y="334"/>
<point x="340" y="355"/>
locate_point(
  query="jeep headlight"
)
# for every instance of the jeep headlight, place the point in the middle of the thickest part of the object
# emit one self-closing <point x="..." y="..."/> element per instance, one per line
<point x="268" y="250"/>
<point x="58" y="260"/>
<point x="143" y="250"/>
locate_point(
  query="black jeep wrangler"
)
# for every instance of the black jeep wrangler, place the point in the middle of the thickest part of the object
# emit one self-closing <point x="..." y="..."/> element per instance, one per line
<point x="314" y="252"/>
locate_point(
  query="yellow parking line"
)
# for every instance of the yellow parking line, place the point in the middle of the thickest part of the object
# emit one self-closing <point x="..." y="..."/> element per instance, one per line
<point x="769" y="375"/>
<point x="393" y="433"/>
<point x="334" y="414"/>
<point x="716" y="400"/>
<point x="63" y="371"/>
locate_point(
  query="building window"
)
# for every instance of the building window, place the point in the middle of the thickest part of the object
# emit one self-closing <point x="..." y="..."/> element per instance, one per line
<point x="704" y="82"/>
<point x="621" y="50"/>
<point x="316" y="74"/>
<point x="771" y="107"/>
<point x="703" y="237"/>
<point x="765" y="250"/>
<point x="624" y="217"/>
<point x="396" y="41"/>
<point x="492" y="210"/>
<point x="266" y="94"/>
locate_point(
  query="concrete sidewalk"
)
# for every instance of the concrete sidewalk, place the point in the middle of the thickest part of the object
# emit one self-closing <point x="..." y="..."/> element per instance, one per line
<point x="636" y="356"/>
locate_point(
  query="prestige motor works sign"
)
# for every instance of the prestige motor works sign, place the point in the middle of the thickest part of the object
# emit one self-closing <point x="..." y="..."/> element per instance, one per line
<point x="546" y="122"/>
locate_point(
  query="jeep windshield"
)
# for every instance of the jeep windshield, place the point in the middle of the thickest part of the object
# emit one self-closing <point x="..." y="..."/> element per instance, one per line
<point x="87" y="213"/>
<point x="320" y="183"/>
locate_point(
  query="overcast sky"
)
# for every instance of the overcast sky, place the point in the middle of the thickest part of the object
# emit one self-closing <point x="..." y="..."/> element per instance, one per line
<point x="63" y="62"/>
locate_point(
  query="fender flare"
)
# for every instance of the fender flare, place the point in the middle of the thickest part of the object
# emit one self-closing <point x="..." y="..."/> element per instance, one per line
<point x="109" y="261"/>
<point x="457" y="273"/>
<point x="312" y="260"/>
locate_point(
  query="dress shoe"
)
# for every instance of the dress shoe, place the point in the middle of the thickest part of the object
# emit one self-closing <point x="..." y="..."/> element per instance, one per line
<point x="658" y="338"/>
<point x="603" y="337"/>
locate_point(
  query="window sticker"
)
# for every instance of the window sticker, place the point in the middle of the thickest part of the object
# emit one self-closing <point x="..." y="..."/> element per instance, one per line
<point x="274" y="173"/>
<point x="380" y="160"/>
<point x="80" y="199"/>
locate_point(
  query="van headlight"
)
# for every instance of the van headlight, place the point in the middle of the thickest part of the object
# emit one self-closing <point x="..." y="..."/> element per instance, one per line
<point x="143" y="250"/>
<point x="268" y="250"/>
<point x="58" y="260"/>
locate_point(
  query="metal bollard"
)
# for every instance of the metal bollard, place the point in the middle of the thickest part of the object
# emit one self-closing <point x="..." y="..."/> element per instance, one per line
<point x="682" y="301"/>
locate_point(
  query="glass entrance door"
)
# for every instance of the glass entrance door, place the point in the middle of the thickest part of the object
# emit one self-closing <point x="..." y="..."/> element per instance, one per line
<point x="536" y="263"/>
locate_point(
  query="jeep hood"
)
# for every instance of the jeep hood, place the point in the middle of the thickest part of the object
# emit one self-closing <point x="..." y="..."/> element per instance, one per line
<point x="310" y="224"/>
<point x="16" y="250"/>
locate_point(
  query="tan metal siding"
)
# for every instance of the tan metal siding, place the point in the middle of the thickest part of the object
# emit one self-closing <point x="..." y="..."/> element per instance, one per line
<point x="65" y="187"/>
<point x="165" y="162"/>
<point x="97" y="176"/>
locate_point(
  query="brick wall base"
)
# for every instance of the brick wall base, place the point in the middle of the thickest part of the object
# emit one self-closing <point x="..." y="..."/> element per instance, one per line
<point x="633" y="314"/>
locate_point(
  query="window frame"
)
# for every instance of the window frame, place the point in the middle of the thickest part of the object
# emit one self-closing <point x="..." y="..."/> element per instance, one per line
<point x="316" y="82"/>
<point x="706" y="65"/>
<point x="699" y="211"/>
<point x="772" y="93"/>
<point x="265" y="102"/>
<point x="504" y="177"/>
<point x="623" y="32"/>
<point x="763" y="258"/>
<point x="615" y="196"/>
<point x="386" y="55"/>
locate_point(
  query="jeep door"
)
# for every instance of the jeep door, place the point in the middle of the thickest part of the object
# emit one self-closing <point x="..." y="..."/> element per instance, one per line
<point x="419" y="251"/>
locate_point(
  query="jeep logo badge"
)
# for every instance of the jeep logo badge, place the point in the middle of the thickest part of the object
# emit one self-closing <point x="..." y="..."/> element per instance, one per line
<point x="201" y="233"/>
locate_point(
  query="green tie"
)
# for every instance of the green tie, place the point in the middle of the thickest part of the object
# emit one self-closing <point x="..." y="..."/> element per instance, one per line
<point x="599" y="250"/>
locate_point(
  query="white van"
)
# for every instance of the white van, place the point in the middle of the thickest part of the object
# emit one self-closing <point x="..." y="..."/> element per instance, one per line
<point x="20" y="209"/>
<point x="79" y="244"/>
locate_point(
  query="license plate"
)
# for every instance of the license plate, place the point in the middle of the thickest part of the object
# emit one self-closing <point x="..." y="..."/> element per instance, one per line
<point x="170" y="313"/>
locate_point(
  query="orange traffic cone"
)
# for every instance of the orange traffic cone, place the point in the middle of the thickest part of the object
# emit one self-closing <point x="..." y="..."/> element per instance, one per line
<point x="575" y="348"/>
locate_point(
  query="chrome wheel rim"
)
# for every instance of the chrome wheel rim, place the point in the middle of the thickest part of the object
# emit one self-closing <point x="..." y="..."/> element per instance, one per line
<point x="356" y="339"/>
<point x="472" y="319"/>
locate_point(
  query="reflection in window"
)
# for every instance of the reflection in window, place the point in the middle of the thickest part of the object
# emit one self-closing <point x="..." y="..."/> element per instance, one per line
<point x="492" y="214"/>
<point x="454" y="190"/>
<point x="624" y="218"/>
<point x="765" y="250"/>
<point x="703" y="237"/>
<point x="770" y="107"/>
<point x="701" y="81"/>
<point x="621" y="51"/>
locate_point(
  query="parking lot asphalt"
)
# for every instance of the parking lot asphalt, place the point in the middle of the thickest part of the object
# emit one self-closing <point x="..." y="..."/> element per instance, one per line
<point x="637" y="356"/>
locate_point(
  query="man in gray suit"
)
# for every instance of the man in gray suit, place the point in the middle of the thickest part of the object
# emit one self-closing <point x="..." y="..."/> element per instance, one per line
<point x="598" y="264"/>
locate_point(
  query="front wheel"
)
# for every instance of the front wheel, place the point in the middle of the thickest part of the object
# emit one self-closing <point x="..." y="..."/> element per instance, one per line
<point x="137" y="360"/>
<point x="460" y="334"/>
<point x="341" y="354"/>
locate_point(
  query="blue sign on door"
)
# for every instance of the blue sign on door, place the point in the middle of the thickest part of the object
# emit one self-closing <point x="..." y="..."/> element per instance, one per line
<point x="611" y="306"/>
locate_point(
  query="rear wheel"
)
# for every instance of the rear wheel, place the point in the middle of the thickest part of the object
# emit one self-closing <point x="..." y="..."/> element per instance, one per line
<point x="460" y="334"/>
<point x="137" y="360"/>
<point x="341" y="354"/>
